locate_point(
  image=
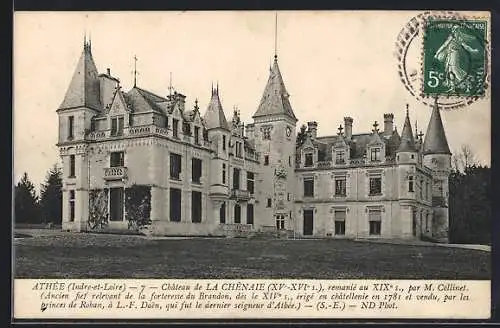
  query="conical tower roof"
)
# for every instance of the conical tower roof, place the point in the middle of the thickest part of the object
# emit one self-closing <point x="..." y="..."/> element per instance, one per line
<point x="435" y="139"/>
<point x="84" y="89"/>
<point x="214" y="116"/>
<point x="407" y="142"/>
<point x="275" y="98"/>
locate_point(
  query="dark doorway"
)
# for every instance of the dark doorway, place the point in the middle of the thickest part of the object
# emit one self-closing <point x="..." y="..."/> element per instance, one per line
<point x="116" y="204"/>
<point x="222" y="213"/>
<point x="308" y="222"/>
<point x="237" y="213"/>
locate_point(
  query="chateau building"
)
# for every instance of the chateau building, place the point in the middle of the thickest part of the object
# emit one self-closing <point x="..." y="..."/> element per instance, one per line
<point x="210" y="176"/>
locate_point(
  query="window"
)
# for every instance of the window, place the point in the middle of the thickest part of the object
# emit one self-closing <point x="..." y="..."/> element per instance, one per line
<point x="71" y="127"/>
<point x="375" y="185"/>
<point x="117" y="126"/>
<point x="175" y="205"/>
<point x="249" y="213"/>
<point x="196" y="168"/>
<point x="269" y="202"/>
<point x="375" y="219"/>
<point x="309" y="187"/>
<point x="309" y="160"/>
<point x="175" y="166"/>
<point x="290" y="161"/>
<point x="196" y="206"/>
<point x="71" y="166"/>
<point x="340" y="157"/>
<point x="426" y="190"/>
<point x="375" y="155"/>
<point x="186" y="128"/>
<point x="421" y="189"/>
<point x="224" y="143"/>
<point x="280" y="222"/>
<point x="340" y="186"/>
<point x="410" y="184"/>
<point x="196" y="135"/>
<point x="412" y="156"/>
<point x="236" y="178"/>
<point x="223" y="173"/>
<point x="266" y="160"/>
<point x="340" y="222"/>
<point x="238" y="149"/>
<point x="250" y="182"/>
<point x="117" y="159"/>
<point x="222" y="213"/>
<point x="166" y="122"/>
<point x="72" y="205"/>
<point x="237" y="213"/>
<point x="288" y="197"/>
<point x="175" y="128"/>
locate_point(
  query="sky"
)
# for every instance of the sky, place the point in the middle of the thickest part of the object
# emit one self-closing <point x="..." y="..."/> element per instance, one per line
<point x="334" y="64"/>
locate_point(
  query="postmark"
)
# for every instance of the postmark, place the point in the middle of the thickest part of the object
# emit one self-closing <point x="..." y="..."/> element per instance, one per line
<point x="444" y="56"/>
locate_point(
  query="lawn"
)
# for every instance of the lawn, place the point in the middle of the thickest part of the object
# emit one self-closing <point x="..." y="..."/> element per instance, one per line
<point x="71" y="255"/>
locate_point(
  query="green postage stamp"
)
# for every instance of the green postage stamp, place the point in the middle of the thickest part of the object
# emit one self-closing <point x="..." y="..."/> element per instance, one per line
<point x="454" y="58"/>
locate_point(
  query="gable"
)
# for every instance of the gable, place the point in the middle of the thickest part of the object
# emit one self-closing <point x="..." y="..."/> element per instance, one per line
<point x="118" y="106"/>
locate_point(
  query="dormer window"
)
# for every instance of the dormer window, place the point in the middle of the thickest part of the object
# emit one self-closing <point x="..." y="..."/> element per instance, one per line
<point x="117" y="126"/>
<point x="175" y="128"/>
<point x="197" y="135"/>
<point x="308" y="160"/>
<point x="340" y="157"/>
<point x="375" y="155"/>
<point x="239" y="148"/>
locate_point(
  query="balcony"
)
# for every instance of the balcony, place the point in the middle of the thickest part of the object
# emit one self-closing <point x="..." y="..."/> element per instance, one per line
<point x="240" y="194"/>
<point x="115" y="173"/>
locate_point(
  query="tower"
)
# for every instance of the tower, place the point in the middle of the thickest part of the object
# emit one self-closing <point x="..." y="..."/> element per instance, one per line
<point x="275" y="139"/>
<point x="407" y="159"/>
<point x="437" y="156"/>
<point x="219" y="134"/>
<point x="81" y="102"/>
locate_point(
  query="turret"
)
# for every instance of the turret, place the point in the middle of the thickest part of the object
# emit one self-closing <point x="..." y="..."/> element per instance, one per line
<point x="407" y="151"/>
<point x="437" y="157"/>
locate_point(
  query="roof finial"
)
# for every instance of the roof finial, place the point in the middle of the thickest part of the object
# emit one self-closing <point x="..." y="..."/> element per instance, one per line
<point x="276" y="36"/>
<point x="375" y="125"/>
<point x="416" y="129"/>
<point x="135" y="71"/>
<point x="84" y="38"/>
<point x="196" y="108"/>
<point x="217" y="88"/>
<point x="407" y="110"/>
<point x="90" y="41"/>
<point x="340" y="130"/>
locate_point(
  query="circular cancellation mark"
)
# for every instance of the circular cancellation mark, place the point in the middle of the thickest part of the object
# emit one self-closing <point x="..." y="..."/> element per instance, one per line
<point x="443" y="57"/>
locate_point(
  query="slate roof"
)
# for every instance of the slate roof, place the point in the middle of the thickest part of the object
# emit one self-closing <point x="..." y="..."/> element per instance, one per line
<point x="435" y="139"/>
<point x="214" y="116"/>
<point x="357" y="144"/>
<point x="84" y="88"/>
<point x="407" y="141"/>
<point x="275" y="99"/>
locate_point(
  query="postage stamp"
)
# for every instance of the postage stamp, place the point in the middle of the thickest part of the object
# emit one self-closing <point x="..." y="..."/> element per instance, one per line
<point x="454" y="57"/>
<point x="444" y="56"/>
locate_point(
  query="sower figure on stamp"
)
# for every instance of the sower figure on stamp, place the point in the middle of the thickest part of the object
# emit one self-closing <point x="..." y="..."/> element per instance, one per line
<point x="452" y="53"/>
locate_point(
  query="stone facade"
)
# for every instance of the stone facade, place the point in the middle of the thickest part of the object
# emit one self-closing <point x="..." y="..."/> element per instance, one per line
<point x="208" y="176"/>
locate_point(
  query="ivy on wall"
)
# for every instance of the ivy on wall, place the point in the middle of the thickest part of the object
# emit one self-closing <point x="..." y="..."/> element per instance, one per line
<point x="138" y="206"/>
<point x="98" y="210"/>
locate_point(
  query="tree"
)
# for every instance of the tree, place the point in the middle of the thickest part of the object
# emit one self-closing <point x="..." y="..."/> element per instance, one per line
<point x="470" y="208"/>
<point x="463" y="159"/>
<point x="138" y="206"/>
<point x="26" y="202"/>
<point x="301" y="136"/>
<point x="51" y="196"/>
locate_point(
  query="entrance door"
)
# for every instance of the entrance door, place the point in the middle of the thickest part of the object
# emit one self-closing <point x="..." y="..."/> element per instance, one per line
<point x="308" y="222"/>
<point x="116" y="204"/>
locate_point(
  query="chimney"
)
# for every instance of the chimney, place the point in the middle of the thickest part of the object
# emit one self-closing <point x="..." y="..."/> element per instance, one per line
<point x="348" y="127"/>
<point x="109" y="71"/>
<point x="312" y="127"/>
<point x="388" y="124"/>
